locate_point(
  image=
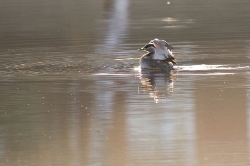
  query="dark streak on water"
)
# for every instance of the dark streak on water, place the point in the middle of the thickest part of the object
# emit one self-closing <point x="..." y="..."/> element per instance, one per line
<point x="70" y="94"/>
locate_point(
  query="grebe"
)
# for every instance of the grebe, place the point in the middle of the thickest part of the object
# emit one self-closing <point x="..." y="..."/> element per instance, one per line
<point x="159" y="56"/>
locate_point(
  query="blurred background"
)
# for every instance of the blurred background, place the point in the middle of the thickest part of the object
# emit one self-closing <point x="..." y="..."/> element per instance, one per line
<point x="70" y="94"/>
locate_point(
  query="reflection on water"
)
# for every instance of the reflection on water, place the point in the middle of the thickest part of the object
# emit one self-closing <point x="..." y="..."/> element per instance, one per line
<point x="117" y="26"/>
<point x="70" y="94"/>
<point x="159" y="86"/>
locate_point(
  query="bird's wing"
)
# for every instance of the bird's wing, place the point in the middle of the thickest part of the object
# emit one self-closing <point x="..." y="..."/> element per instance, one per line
<point x="168" y="45"/>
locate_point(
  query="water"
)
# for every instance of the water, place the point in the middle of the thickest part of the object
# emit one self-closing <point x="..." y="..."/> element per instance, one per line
<point x="71" y="93"/>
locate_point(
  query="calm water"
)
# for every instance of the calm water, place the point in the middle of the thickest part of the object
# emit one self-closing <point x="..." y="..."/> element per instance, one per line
<point x="71" y="96"/>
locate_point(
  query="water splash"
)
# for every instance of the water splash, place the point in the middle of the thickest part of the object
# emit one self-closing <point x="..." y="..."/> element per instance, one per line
<point x="204" y="67"/>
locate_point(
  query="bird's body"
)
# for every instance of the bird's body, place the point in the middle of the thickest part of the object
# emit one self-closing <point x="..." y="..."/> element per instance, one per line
<point x="159" y="55"/>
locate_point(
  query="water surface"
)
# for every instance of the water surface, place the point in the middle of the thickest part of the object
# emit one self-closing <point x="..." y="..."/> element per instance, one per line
<point x="71" y="94"/>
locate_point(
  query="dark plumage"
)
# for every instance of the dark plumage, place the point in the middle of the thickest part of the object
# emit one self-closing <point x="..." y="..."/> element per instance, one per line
<point x="148" y="47"/>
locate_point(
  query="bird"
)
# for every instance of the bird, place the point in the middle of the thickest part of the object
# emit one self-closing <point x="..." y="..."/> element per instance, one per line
<point x="159" y="55"/>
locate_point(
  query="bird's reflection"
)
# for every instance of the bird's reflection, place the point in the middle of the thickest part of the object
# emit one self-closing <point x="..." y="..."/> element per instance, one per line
<point x="158" y="85"/>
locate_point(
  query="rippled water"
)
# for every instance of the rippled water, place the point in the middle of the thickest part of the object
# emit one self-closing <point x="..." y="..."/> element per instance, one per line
<point x="71" y="92"/>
